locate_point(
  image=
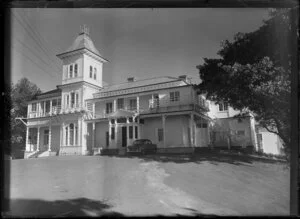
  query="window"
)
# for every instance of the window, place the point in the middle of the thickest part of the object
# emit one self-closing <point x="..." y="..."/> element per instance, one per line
<point x="33" y="108"/>
<point x="136" y="132"/>
<point x="122" y="120"/>
<point x="120" y="103"/>
<point x="71" y="71"/>
<point x="47" y="106"/>
<point x="241" y="132"/>
<point x="95" y="73"/>
<point x="75" y="70"/>
<point x="59" y="102"/>
<point x="142" y="121"/>
<point x="108" y="108"/>
<point x="112" y="133"/>
<point x="72" y="99"/>
<point x="130" y="132"/>
<point x="76" y="99"/>
<point x="67" y="100"/>
<point x="174" y="96"/>
<point x="76" y="135"/>
<point x="132" y="104"/>
<point x="107" y="139"/>
<point x="71" y="134"/>
<point x="160" y="134"/>
<point x="112" y="121"/>
<point x="223" y="106"/>
<point x="67" y="134"/>
<point x="54" y="103"/>
<point x="46" y="137"/>
<point x="130" y="119"/>
<point x="91" y="72"/>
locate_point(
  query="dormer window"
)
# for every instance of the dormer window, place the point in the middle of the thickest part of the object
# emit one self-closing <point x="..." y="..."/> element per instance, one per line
<point x="75" y="70"/>
<point x="71" y="71"/>
<point x="223" y="106"/>
<point x="95" y="73"/>
<point x="91" y="72"/>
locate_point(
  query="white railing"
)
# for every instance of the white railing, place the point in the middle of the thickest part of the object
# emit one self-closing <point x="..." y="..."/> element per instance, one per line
<point x="56" y="110"/>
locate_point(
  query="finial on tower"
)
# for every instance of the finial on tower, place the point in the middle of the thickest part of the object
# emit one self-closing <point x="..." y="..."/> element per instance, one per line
<point x="84" y="30"/>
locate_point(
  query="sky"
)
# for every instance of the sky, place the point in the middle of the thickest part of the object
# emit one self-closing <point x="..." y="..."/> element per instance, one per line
<point x="141" y="43"/>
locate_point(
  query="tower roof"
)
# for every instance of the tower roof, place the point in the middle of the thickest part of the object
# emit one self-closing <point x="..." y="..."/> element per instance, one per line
<point x="83" y="41"/>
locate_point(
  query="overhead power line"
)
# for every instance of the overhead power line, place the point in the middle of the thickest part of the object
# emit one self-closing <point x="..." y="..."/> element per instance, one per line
<point x="39" y="36"/>
<point x="36" y="64"/>
<point x="37" y="56"/>
<point x="37" y="41"/>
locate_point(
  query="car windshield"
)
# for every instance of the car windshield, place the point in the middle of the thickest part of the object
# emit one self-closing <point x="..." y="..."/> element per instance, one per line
<point x="137" y="142"/>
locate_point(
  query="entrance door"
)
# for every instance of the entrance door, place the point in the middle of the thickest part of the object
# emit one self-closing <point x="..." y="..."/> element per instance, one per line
<point x="124" y="136"/>
<point x="107" y="139"/>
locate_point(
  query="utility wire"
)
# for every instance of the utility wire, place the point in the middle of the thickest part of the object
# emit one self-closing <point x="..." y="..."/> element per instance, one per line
<point x="36" y="55"/>
<point x="34" y="38"/>
<point x="36" y="64"/>
<point x="40" y="37"/>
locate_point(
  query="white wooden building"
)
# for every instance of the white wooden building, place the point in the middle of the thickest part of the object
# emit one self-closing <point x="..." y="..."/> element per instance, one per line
<point x="83" y="113"/>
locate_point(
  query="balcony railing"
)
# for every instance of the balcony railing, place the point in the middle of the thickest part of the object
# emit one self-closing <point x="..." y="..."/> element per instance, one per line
<point x="56" y="110"/>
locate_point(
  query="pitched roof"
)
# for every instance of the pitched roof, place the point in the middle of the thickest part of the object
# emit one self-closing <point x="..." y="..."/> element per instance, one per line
<point x="49" y="93"/>
<point x="139" y="83"/>
<point x="83" y="41"/>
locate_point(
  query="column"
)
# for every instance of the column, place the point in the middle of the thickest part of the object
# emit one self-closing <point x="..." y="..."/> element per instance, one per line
<point x="44" y="112"/>
<point x="27" y="135"/>
<point x="94" y="110"/>
<point x="109" y="133"/>
<point x="68" y="139"/>
<point x="74" y="134"/>
<point x="38" y="139"/>
<point x="115" y="106"/>
<point x="138" y="104"/>
<point x="116" y="134"/>
<point x="50" y="134"/>
<point x="191" y="130"/>
<point x="127" y="130"/>
<point x="84" y="136"/>
<point x="79" y="132"/>
<point x="164" y="129"/>
<point x="93" y="137"/>
<point x="50" y="107"/>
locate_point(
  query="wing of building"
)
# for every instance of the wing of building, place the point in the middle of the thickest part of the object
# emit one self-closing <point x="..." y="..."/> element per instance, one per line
<point x="84" y="114"/>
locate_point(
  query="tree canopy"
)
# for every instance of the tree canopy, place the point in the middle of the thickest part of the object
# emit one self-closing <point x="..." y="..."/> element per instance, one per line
<point x="20" y="93"/>
<point x="254" y="74"/>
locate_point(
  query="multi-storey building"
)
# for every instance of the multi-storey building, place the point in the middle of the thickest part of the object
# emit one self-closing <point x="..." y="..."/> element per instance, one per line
<point x="83" y="113"/>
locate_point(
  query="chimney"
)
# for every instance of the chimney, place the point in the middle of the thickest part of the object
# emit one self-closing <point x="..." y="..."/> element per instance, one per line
<point x="131" y="79"/>
<point x="182" y="77"/>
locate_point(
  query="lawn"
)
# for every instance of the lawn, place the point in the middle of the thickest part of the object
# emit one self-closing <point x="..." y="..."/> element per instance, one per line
<point x="149" y="185"/>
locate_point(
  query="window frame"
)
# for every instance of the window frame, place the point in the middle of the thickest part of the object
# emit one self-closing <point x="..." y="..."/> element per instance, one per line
<point x="91" y="71"/>
<point x="160" y="134"/>
<point x="175" y="96"/>
<point x="70" y="71"/>
<point x="75" y="70"/>
<point x="132" y="106"/>
<point x="109" y="107"/>
<point x="120" y="103"/>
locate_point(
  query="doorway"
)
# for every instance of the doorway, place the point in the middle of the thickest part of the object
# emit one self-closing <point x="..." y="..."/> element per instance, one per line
<point x="124" y="136"/>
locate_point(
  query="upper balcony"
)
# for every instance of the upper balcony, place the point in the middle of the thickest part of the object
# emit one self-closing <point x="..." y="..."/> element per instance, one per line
<point x="149" y="104"/>
<point x="56" y="110"/>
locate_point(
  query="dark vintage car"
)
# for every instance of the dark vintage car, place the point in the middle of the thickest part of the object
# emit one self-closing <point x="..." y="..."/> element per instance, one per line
<point x="143" y="146"/>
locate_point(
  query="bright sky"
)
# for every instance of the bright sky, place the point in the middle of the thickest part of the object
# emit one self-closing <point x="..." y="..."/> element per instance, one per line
<point x="142" y="43"/>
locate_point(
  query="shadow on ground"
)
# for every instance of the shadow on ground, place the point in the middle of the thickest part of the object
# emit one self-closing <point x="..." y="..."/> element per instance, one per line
<point x="213" y="157"/>
<point x="61" y="208"/>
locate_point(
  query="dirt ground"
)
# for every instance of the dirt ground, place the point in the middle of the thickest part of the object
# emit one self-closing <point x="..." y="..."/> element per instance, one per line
<point x="150" y="185"/>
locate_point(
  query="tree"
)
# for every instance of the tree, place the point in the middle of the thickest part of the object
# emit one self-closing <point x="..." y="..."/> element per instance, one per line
<point x="254" y="74"/>
<point x="21" y="92"/>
